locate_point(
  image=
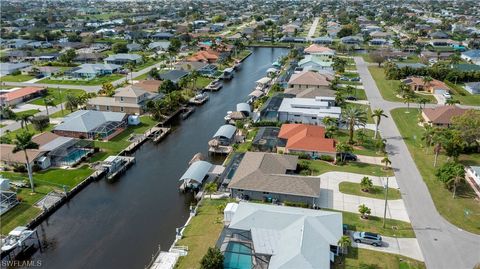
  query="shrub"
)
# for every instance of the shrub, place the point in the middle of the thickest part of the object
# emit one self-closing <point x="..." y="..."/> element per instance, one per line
<point x="15" y="73"/>
<point x="40" y="123"/>
<point x="327" y="158"/>
<point x="296" y="204"/>
<point x="213" y="259"/>
<point x="36" y="168"/>
<point x="19" y="168"/>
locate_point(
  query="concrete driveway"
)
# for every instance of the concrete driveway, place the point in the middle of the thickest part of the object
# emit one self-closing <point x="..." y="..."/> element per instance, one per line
<point x="407" y="247"/>
<point x="331" y="197"/>
<point x="370" y="159"/>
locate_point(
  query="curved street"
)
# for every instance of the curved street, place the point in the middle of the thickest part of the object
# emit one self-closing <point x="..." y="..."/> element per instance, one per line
<point x="443" y="244"/>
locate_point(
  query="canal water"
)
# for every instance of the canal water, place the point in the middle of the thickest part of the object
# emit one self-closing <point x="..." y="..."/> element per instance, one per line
<point x="121" y="224"/>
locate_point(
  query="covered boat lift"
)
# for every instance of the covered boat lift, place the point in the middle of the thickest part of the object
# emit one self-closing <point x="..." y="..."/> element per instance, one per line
<point x="195" y="175"/>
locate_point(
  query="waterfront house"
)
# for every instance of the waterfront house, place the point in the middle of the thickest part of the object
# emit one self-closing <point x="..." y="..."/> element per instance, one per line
<point x="270" y="177"/>
<point x="266" y="139"/>
<point x="174" y="75"/>
<point x="309" y="79"/>
<point x="90" y="71"/>
<point x="473" y="87"/>
<point x="434" y="86"/>
<point x="351" y="40"/>
<point x="325" y="53"/>
<point x="123" y="58"/>
<point x="149" y="85"/>
<point x="306" y="139"/>
<point x="129" y="100"/>
<point x="325" y="40"/>
<point x="277" y="237"/>
<point x="441" y="116"/>
<point x="205" y="56"/>
<point x="310" y="92"/>
<point x="316" y="62"/>
<point x="91" y="124"/>
<point x="20" y="95"/>
<point x="307" y="110"/>
<point x="472" y="56"/>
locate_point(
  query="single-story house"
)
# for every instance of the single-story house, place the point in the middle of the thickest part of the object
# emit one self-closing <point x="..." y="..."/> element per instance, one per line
<point x="310" y="92"/>
<point x="173" y="75"/>
<point x="472" y="87"/>
<point x="378" y="42"/>
<point x="315" y="63"/>
<point x="91" y="124"/>
<point x="190" y="66"/>
<point x="206" y="56"/>
<point x="471" y="56"/>
<point x="90" y="71"/>
<point x="90" y="57"/>
<point x="309" y="79"/>
<point x="307" y="139"/>
<point x="325" y="40"/>
<point x="149" y="85"/>
<point x="316" y="49"/>
<point x="159" y="45"/>
<point x="134" y="47"/>
<point x="8" y="68"/>
<point x="434" y="86"/>
<point x="162" y="36"/>
<point x="281" y="236"/>
<point x="20" y="95"/>
<point x="8" y="158"/>
<point x="441" y="116"/>
<point x="123" y="58"/>
<point x="128" y="100"/>
<point x="351" y="40"/>
<point x="269" y="177"/>
<point x="41" y="70"/>
<point x="307" y="110"/>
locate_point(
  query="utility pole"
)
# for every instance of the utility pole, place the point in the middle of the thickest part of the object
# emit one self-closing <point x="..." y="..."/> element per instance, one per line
<point x="386" y="199"/>
<point x="61" y="99"/>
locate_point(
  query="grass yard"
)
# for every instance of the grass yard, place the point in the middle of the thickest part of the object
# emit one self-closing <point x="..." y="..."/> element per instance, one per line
<point x="243" y="54"/>
<point x="202" y="233"/>
<point x="452" y="209"/>
<point x="141" y="77"/>
<point x="95" y="81"/>
<point x="11" y="135"/>
<point x="150" y="62"/>
<point x="321" y="167"/>
<point x="377" y="192"/>
<point x="202" y="82"/>
<point x="387" y="87"/>
<point x="29" y="112"/>
<point x="16" y="78"/>
<point x="367" y="147"/>
<point x="460" y="94"/>
<point x="57" y="96"/>
<point x="366" y="259"/>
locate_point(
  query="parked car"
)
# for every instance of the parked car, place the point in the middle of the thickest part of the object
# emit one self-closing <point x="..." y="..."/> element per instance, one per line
<point x="351" y="98"/>
<point x="344" y="78"/>
<point x="355" y="79"/>
<point x="447" y="95"/>
<point x="348" y="156"/>
<point x="367" y="238"/>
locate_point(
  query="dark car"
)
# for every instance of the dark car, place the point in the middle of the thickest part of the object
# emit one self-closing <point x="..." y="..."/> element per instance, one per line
<point x="355" y="79"/>
<point x="351" y="98"/>
<point x="348" y="156"/>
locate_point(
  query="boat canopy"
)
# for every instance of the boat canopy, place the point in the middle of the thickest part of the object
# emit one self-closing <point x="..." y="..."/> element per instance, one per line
<point x="272" y="70"/>
<point x="264" y="80"/>
<point x="196" y="172"/>
<point x="226" y="131"/>
<point x="256" y="93"/>
<point x="243" y="107"/>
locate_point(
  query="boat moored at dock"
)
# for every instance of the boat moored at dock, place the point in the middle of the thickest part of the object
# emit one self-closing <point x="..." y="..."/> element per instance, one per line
<point x="199" y="99"/>
<point x="228" y="73"/>
<point x="214" y="85"/>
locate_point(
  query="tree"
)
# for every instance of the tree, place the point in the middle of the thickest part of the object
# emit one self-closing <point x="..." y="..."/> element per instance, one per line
<point x="422" y="101"/>
<point x="167" y="86"/>
<point x="366" y="184"/>
<point x="7" y="113"/>
<point x="344" y="243"/>
<point x="451" y="174"/>
<point x="24" y="120"/>
<point x="468" y="125"/>
<point x="130" y="66"/>
<point x="339" y="64"/>
<point x="331" y="126"/>
<point x="426" y="80"/>
<point x="452" y="143"/>
<point x="346" y="30"/>
<point x="377" y="116"/>
<point x="107" y="89"/>
<point x="40" y="122"/>
<point x="354" y="116"/>
<point x="48" y="102"/>
<point x="386" y="161"/>
<point x="377" y="56"/>
<point x="210" y="188"/>
<point x="427" y="136"/>
<point x="402" y="90"/>
<point x="451" y="102"/>
<point x="119" y="48"/>
<point x="23" y="142"/>
<point x="213" y="259"/>
<point x="343" y="149"/>
<point x="72" y="102"/>
<point x="364" y="211"/>
<point x="408" y="98"/>
<point x="68" y="56"/>
<point x="455" y="58"/>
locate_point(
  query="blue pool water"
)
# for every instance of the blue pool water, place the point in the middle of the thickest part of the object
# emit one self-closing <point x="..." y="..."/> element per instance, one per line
<point x="237" y="256"/>
<point x="74" y="156"/>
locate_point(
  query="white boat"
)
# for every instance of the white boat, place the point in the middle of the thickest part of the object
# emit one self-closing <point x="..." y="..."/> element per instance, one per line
<point x="199" y="99"/>
<point x="227" y="118"/>
<point x="16" y="238"/>
<point x="214" y="85"/>
<point x="228" y="73"/>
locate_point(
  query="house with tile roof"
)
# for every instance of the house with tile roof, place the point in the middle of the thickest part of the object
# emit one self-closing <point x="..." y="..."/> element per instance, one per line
<point x="205" y="56"/>
<point x="309" y="79"/>
<point x="128" y="100"/>
<point x="19" y="95"/>
<point x="441" y="116"/>
<point x="418" y="84"/>
<point x="270" y="176"/>
<point x="306" y="139"/>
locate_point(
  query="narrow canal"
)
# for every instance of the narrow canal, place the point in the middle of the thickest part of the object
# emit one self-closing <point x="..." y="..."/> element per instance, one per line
<point x="120" y="225"/>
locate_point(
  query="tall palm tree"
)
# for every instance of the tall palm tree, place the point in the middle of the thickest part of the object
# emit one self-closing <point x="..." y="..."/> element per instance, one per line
<point x="459" y="176"/>
<point x="23" y="142"/>
<point x="377" y="116"/>
<point x="438" y="141"/>
<point x="48" y="102"/>
<point x="344" y="242"/>
<point x="386" y="161"/>
<point x="354" y="116"/>
<point x="194" y="77"/>
<point x="422" y="101"/>
<point x="24" y="120"/>
<point x="343" y="148"/>
<point x="427" y="136"/>
<point x="407" y="99"/>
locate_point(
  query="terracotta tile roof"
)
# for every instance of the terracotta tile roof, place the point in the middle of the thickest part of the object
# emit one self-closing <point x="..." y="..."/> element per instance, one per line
<point x="306" y="137"/>
<point x="203" y="56"/>
<point x="309" y="78"/>
<point x="315" y="48"/>
<point x="443" y="114"/>
<point x="12" y="95"/>
<point x="418" y="81"/>
<point x="147" y="85"/>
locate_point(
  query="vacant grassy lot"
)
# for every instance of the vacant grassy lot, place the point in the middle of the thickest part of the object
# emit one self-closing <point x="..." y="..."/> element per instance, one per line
<point x="387" y="87"/>
<point x="370" y="259"/>
<point x="465" y="98"/>
<point x="202" y="233"/>
<point x="56" y="95"/>
<point x="377" y="192"/>
<point x="321" y="167"/>
<point x="16" y="78"/>
<point x="452" y="209"/>
<point x="95" y="81"/>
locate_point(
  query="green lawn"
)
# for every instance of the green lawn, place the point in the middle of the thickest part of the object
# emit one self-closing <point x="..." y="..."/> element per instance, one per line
<point x="202" y="82"/>
<point x="95" y="81"/>
<point x="17" y="78"/>
<point x="29" y="112"/>
<point x="359" y="258"/>
<point x="141" y="77"/>
<point x="460" y="94"/>
<point x="201" y="233"/>
<point x="387" y="87"/>
<point x="321" y="167"/>
<point x="57" y="96"/>
<point x="452" y="209"/>
<point x="12" y="134"/>
<point x="367" y="147"/>
<point x="150" y="62"/>
<point x="377" y="192"/>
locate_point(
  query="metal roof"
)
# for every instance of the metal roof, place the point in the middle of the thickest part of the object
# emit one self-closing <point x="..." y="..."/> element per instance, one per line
<point x="225" y="131"/>
<point x="88" y="120"/>
<point x="197" y="171"/>
<point x="243" y="107"/>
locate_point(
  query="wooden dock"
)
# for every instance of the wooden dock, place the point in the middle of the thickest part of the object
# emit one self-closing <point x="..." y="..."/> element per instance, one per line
<point x="128" y="162"/>
<point x="220" y="150"/>
<point x="159" y="133"/>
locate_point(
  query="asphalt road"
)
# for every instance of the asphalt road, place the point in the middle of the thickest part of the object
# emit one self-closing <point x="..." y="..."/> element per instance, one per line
<point x="443" y="244"/>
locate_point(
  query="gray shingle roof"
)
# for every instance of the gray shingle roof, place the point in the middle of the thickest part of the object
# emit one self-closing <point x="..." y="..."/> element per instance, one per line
<point x="87" y="120"/>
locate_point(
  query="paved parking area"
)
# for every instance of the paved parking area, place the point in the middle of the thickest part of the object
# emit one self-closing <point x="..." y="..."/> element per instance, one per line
<point x="331" y="197"/>
<point x="407" y="247"/>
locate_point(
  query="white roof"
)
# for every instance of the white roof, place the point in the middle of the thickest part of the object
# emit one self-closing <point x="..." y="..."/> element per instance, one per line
<point x="197" y="171"/>
<point x="264" y="80"/>
<point x="226" y="130"/>
<point x="309" y="106"/>
<point x="294" y="237"/>
<point x="88" y="120"/>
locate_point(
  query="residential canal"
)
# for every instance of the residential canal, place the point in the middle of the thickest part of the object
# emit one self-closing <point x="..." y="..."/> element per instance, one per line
<point x="121" y="224"/>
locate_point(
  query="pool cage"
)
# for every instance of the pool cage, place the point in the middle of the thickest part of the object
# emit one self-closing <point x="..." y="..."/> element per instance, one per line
<point x="8" y="199"/>
<point x="238" y="251"/>
<point x="105" y="130"/>
<point x="70" y="152"/>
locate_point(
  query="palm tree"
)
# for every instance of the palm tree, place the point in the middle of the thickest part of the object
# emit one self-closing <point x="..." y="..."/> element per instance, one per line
<point x="386" y="161"/>
<point x="422" y="101"/>
<point x="438" y="141"/>
<point x="194" y="77"/>
<point x="210" y="188"/>
<point x="451" y="102"/>
<point x="364" y="211"/>
<point x="23" y="142"/>
<point x="48" y="102"/>
<point x="130" y="66"/>
<point x="365" y="184"/>
<point x="354" y="116"/>
<point x="426" y="80"/>
<point x="343" y="148"/>
<point x="377" y="116"/>
<point x="24" y="120"/>
<point x="407" y="99"/>
<point x="344" y="242"/>
<point x="459" y="176"/>
<point x="427" y="136"/>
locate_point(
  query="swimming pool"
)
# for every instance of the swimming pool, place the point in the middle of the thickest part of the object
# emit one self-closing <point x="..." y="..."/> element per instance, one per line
<point x="74" y="156"/>
<point x="237" y="256"/>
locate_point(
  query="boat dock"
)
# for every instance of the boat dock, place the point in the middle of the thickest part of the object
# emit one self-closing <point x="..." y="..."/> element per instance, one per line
<point x="120" y="164"/>
<point x="220" y="149"/>
<point x="158" y="133"/>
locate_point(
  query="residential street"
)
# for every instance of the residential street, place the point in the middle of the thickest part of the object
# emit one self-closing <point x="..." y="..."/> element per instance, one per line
<point x="313" y="28"/>
<point x="443" y="244"/>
